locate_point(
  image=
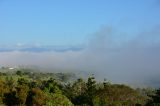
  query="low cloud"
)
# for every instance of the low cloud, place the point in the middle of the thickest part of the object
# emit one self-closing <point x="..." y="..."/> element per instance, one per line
<point x="108" y="54"/>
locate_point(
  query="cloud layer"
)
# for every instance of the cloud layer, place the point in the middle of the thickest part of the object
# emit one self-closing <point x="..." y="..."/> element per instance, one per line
<point x="108" y="54"/>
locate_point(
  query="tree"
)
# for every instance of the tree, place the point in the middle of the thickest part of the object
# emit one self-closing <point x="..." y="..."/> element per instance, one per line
<point x="155" y="99"/>
<point x="22" y="92"/>
<point x="79" y="87"/>
<point x="106" y="83"/>
<point x="77" y="92"/>
<point x="64" y="77"/>
<point x="3" y="90"/>
<point x="19" y="73"/>
<point x="55" y="99"/>
<point x="36" y="97"/>
<point x="10" y="98"/>
<point x="10" y="82"/>
<point x="22" y="81"/>
<point x="91" y="89"/>
<point x="117" y="95"/>
<point x="51" y="86"/>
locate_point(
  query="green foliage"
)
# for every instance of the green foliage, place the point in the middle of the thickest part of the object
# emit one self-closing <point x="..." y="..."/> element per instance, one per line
<point x="22" y="81"/>
<point x="22" y="93"/>
<point x="116" y="95"/>
<point x="3" y="90"/>
<point x="10" y="82"/>
<point x="55" y="99"/>
<point x="64" y="77"/>
<point x="51" y="86"/>
<point x="91" y="89"/>
<point x="77" y="92"/>
<point x="10" y="98"/>
<point x="27" y="88"/>
<point x="155" y="99"/>
<point x="79" y="88"/>
<point x="19" y="73"/>
<point x="36" y="97"/>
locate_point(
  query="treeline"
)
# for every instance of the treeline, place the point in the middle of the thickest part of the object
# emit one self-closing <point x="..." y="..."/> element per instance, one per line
<point x="27" y="88"/>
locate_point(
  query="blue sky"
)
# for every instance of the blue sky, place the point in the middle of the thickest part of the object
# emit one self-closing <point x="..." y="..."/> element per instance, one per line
<point x="71" y="22"/>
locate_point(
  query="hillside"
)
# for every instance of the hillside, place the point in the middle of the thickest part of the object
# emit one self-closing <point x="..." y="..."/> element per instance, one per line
<point x="28" y="87"/>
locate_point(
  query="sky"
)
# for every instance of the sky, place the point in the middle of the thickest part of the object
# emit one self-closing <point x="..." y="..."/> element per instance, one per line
<point x="114" y="39"/>
<point x="70" y="22"/>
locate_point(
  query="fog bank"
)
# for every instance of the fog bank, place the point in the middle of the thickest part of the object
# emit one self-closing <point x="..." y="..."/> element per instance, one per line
<point x="108" y="54"/>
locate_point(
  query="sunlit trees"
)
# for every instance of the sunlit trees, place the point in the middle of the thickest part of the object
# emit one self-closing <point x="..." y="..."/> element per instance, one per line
<point x="46" y="90"/>
<point x="3" y="90"/>
<point x="22" y="93"/>
<point x="117" y="95"/>
<point x="56" y="99"/>
<point x="51" y="86"/>
<point x="9" y="82"/>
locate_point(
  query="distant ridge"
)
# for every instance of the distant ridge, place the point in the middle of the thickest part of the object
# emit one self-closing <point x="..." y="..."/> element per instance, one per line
<point x="41" y="48"/>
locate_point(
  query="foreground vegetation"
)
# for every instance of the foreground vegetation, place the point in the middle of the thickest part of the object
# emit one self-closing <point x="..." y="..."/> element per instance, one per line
<point x="25" y="87"/>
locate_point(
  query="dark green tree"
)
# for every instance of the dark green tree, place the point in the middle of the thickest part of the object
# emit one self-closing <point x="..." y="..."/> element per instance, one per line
<point x="117" y="95"/>
<point x="3" y="90"/>
<point x="22" y="92"/>
<point x="77" y="92"/>
<point x="51" y="86"/>
<point x="10" y="99"/>
<point x="22" y="81"/>
<point x="155" y="99"/>
<point x="19" y="73"/>
<point x="36" y="97"/>
<point x="91" y="89"/>
<point x="9" y="82"/>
